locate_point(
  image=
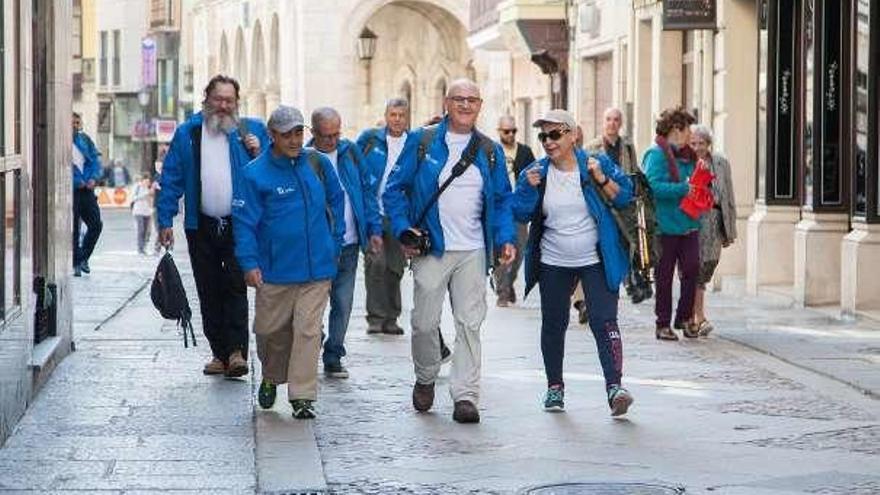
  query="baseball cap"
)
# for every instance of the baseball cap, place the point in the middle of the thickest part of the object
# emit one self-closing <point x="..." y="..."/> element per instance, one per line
<point x="285" y="118"/>
<point x="557" y="116"/>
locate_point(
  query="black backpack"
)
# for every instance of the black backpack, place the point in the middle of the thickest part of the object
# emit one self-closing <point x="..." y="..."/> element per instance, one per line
<point x="169" y="297"/>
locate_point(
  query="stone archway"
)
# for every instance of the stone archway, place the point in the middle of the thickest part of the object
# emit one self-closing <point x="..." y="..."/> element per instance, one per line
<point x="428" y="37"/>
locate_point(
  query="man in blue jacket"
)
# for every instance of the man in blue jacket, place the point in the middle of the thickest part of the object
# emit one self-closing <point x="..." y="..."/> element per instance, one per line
<point x="204" y="161"/>
<point x="363" y="228"/>
<point x="381" y="147"/>
<point x="463" y="227"/>
<point x="86" y="171"/>
<point x="288" y="215"/>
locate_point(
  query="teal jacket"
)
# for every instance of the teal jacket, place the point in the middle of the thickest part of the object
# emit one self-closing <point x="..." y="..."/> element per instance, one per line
<point x="671" y="220"/>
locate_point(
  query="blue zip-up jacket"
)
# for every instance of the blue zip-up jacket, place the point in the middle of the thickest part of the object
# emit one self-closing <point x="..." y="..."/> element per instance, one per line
<point x="671" y="219"/>
<point x="525" y="208"/>
<point x="377" y="156"/>
<point x="287" y="221"/>
<point x="181" y="172"/>
<point x="92" y="167"/>
<point x="355" y="178"/>
<point x="412" y="183"/>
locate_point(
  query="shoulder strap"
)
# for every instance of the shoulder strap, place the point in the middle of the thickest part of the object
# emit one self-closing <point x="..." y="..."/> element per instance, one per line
<point x="428" y="133"/>
<point x="354" y="156"/>
<point x="371" y="140"/>
<point x="242" y="134"/>
<point x="315" y="163"/>
<point x="488" y="147"/>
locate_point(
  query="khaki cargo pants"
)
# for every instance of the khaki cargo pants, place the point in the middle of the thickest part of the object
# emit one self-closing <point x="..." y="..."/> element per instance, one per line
<point x="287" y="324"/>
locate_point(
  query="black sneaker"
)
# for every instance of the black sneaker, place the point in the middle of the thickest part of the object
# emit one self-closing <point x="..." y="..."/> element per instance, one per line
<point x="77" y="271"/>
<point x="84" y="266"/>
<point x="303" y="409"/>
<point x="335" y="370"/>
<point x="266" y="394"/>
<point x="554" y="400"/>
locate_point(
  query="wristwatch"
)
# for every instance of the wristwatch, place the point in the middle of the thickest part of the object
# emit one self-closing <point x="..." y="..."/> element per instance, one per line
<point x="605" y="182"/>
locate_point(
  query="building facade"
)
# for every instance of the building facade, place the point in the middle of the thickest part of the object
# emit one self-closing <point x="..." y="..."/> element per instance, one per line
<point x="311" y="54"/>
<point x="35" y="193"/>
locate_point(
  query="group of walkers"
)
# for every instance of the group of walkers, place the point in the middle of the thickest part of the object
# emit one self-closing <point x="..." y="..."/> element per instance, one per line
<point x="265" y="209"/>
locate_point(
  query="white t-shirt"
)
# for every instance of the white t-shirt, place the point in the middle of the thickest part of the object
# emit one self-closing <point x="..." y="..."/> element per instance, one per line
<point x="78" y="159"/>
<point x="216" y="170"/>
<point x="395" y="146"/>
<point x="351" y="233"/>
<point x="570" y="235"/>
<point x="461" y="205"/>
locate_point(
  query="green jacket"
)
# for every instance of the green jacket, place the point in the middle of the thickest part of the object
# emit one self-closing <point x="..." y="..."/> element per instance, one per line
<point x="671" y="220"/>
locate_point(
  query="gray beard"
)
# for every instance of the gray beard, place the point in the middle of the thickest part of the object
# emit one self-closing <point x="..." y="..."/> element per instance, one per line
<point x="220" y="123"/>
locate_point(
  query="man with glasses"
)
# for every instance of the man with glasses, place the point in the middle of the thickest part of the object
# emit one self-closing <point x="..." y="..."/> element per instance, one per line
<point x="204" y="162"/>
<point x="451" y="234"/>
<point x="363" y="228"/>
<point x="517" y="157"/>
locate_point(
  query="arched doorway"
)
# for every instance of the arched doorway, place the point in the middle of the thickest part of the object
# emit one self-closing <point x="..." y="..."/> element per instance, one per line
<point x="426" y="38"/>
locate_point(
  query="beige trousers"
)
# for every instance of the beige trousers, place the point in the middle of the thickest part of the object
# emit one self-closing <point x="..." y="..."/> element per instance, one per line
<point x="287" y="324"/>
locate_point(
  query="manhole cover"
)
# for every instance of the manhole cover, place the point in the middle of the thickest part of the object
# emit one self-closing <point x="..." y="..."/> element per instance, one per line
<point x="604" y="489"/>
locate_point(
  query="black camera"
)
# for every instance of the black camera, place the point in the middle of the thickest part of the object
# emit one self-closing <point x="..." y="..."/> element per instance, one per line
<point x="417" y="239"/>
<point x="638" y="286"/>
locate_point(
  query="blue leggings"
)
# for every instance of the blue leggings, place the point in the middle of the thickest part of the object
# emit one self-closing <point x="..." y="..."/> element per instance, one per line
<point x="556" y="285"/>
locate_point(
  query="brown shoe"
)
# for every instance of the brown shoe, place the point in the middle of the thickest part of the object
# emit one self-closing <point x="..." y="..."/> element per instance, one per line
<point x="665" y="333"/>
<point x="690" y="330"/>
<point x="237" y="365"/>
<point x="423" y="396"/>
<point x="215" y="367"/>
<point x="374" y="329"/>
<point x="466" y="412"/>
<point x="392" y="329"/>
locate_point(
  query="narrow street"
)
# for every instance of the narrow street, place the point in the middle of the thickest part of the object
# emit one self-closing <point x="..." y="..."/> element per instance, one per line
<point x="130" y="411"/>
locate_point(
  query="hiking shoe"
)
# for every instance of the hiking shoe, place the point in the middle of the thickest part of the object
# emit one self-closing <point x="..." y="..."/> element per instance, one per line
<point x="374" y="329"/>
<point x="237" y="365"/>
<point x="583" y="316"/>
<point x="392" y="329"/>
<point x="554" y="399"/>
<point x="423" y="396"/>
<point x="466" y="412"/>
<point x="704" y="328"/>
<point x="665" y="333"/>
<point x="215" y="367"/>
<point x="335" y="370"/>
<point x="445" y="354"/>
<point x="84" y="266"/>
<point x="266" y="394"/>
<point x="77" y="271"/>
<point x="303" y="409"/>
<point x="619" y="399"/>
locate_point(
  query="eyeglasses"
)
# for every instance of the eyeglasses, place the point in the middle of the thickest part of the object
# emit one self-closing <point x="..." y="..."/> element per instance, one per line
<point x="553" y="135"/>
<point x="466" y="100"/>
<point x="507" y="131"/>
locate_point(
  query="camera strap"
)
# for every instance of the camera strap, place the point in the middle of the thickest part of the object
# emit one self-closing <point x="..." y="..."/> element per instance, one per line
<point x="467" y="158"/>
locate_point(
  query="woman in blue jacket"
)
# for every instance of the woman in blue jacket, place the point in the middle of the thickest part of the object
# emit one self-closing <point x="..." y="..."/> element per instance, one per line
<point x="567" y="197"/>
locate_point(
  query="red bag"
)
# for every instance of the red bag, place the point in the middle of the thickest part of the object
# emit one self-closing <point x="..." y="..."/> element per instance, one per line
<point x="700" y="199"/>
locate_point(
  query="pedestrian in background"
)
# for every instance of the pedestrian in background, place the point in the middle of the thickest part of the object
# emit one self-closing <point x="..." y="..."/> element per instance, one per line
<point x="668" y="165"/>
<point x="381" y="147"/>
<point x="363" y="228"/>
<point x="517" y="156"/>
<point x="718" y="226"/>
<point x="573" y="238"/>
<point x="452" y="238"/>
<point x="142" y="210"/>
<point x="288" y="215"/>
<point x="86" y="172"/>
<point x="207" y="155"/>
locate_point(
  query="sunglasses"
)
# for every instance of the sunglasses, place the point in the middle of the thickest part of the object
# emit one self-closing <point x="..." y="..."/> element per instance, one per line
<point x="553" y="135"/>
<point x="507" y="131"/>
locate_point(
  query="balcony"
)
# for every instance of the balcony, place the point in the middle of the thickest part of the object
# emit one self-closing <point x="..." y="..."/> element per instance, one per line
<point x="537" y="28"/>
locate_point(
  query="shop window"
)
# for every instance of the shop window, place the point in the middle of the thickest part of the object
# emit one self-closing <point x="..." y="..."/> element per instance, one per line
<point x="861" y="106"/>
<point x="807" y="132"/>
<point x="763" y="66"/>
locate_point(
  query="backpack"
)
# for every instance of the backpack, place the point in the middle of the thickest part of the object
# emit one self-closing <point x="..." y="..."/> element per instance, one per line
<point x="169" y="297"/>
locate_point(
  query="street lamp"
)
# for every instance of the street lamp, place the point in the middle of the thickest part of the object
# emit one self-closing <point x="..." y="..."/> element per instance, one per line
<point x="144" y="101"/>
<point x="366" y="51"/>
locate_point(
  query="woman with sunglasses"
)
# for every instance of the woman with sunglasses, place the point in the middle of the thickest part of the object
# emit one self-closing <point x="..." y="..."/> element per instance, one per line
<point x="567" y="196"/>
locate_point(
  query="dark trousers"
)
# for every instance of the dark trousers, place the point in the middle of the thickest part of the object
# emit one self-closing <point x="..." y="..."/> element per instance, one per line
<point x="382" y="274"/>
<point x="684" y="251"/>
<point x="85" y="210"/>
<point x="220" y="284"/>
<point x="556" y="284"/>
<point x="505" y="276"/>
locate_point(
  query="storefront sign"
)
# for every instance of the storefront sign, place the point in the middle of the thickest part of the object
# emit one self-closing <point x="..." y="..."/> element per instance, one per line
<point x="689" y="14"/>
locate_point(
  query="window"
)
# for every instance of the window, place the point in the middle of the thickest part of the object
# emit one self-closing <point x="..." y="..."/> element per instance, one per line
<point x="763" y="75"/>
<point x="808" y="97"/>
<point x="861" y="107"/>
<point x="117" y="50"/>
<point x="103" y="61"/>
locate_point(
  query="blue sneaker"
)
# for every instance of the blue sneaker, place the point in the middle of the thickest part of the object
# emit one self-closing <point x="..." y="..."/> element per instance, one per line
<point x="554" y="399"/>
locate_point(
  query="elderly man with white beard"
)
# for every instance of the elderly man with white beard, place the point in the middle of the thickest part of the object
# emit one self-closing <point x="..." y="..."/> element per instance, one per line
<point x="207" y="155"/>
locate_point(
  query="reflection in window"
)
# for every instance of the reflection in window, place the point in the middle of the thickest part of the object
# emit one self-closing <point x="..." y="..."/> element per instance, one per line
<point x="861" y="107"/>
<point x="763" y="41"/>
<point x="809" y="62"/>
